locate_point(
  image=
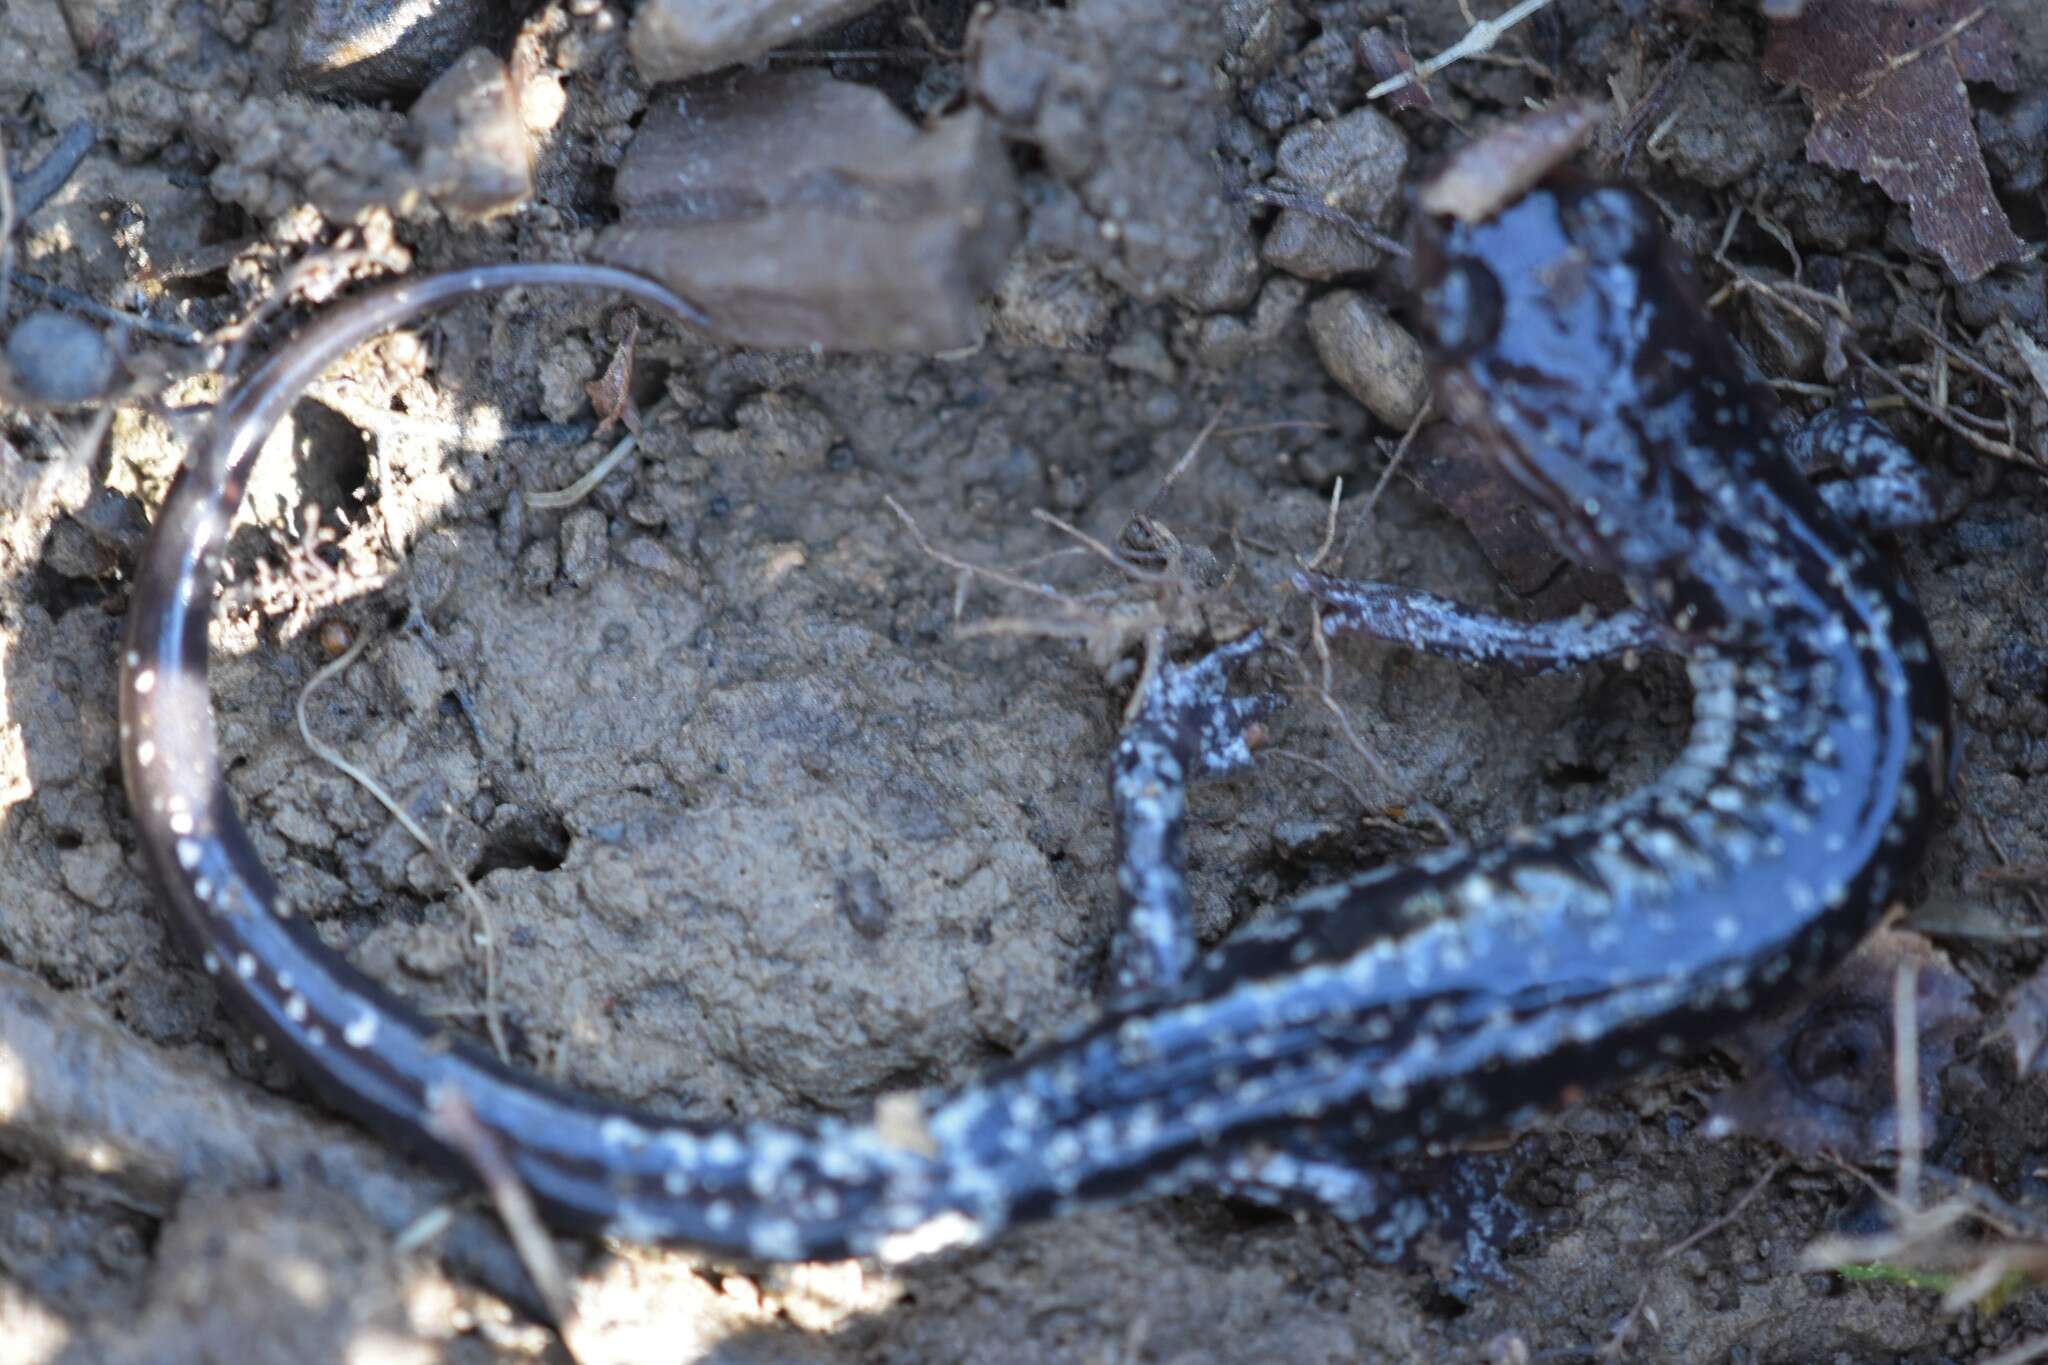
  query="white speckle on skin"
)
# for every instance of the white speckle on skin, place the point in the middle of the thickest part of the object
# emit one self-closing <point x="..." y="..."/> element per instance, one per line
<point x="362" y="1030"/>
<point x="944" y="1232"/>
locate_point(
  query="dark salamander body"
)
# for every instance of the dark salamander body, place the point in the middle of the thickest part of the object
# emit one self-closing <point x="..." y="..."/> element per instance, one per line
<point x="1407" y="1005"/>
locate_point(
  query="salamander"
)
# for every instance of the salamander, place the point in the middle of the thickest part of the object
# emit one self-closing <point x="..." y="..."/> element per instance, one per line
<point x="1387" y="1012"/>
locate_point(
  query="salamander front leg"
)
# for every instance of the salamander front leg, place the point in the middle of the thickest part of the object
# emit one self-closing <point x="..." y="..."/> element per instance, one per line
<point x="1187" y="725"/>
<point x="1435" y="625"/>
<point x="1884" y="488"/>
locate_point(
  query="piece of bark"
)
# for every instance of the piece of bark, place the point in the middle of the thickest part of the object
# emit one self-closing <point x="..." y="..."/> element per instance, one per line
<point x="1889" y="103"/>
<point x="675" y="39"/>
<point x="800" y="211"/>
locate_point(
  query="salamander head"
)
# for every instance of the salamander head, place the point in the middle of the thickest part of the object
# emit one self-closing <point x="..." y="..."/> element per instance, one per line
<point x="1564" y="333"/>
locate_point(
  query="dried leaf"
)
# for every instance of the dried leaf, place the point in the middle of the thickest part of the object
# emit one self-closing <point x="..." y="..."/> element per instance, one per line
<point x="611" y="393"/>
<point x="1887" y="89"/>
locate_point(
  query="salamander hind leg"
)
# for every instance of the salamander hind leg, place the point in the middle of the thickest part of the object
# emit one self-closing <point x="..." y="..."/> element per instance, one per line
<point x="1883" y="489"/>
<point x="1437" y="626"/>
<point x="1186" y="725"/>
<point x="1403" y="1214"/>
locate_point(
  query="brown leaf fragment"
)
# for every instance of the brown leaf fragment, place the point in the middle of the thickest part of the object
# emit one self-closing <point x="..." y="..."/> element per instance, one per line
<point x="611" y="393"/>
<point x="1384" y="58"/>
<point x="1889" y="103"/>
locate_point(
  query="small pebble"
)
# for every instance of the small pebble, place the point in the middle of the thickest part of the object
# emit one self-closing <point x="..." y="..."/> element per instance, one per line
<point x="1371" y="355"/>
<point x="58" y="359"/>
<point x="585" y="546"/>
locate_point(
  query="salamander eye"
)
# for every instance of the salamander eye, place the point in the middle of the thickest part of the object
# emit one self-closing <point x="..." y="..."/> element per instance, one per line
<point x="1461" y="311"/>
<point x="1611" y="225"/>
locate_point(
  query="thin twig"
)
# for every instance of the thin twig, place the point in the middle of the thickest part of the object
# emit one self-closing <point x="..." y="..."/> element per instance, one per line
<point x="1185" y="459"/>
<point x="6" y="226"/>
<point x="38" y="184"/>
<point x="1734" y="1211"/>
<point x="1284" y="197"/>
<point x="1333" y="773"/>
<point x="2002" y="450"/>
<point x="569" y="496"/>
<point x="1964" y="358"/>
<point x="1363" y="517"/>
<point x="1997" y="848"/>
<point x="1906" y="1079"/>
<point x="1329" y="527"/>
<point x="76" y="302"/>
<point x="1912" y="55"/>
<point x="1380" y="772"/>
<point x="961" y="566"/>
<point x="1122" y="565"/>
<point x="1481" y="38"/>
<point x="485" y="933"/>
<point x="451" y="1118"/>
<point x="1623" y="1330"/>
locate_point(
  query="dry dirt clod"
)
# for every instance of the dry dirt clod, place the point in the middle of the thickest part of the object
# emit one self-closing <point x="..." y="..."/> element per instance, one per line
<point x="798" y="210"/>
<point x="1353" y="165"/>
<point x="474" y="156"/>
<point x="1119" y="97"/>
<point x="675" y="39"/>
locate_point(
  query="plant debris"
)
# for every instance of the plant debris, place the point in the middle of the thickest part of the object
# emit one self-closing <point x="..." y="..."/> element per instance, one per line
<point x="1887" y="90"/>
<point x="798" y="210"/>
<point x="1821" y="1078"/>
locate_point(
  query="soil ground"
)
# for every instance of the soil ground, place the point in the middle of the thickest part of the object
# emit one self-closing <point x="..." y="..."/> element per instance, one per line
<point x="765" y="829"/>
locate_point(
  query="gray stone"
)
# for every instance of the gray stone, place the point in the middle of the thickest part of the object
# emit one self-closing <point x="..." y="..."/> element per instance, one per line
<point x="1371" y="355"/>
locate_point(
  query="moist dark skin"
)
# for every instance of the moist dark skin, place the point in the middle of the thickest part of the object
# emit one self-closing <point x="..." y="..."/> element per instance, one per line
<point x="1373" y="1017"/>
